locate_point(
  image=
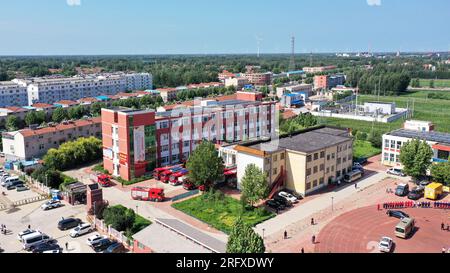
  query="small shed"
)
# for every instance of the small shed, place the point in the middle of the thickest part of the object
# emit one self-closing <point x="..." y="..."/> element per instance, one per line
<point x="75" y="193"/>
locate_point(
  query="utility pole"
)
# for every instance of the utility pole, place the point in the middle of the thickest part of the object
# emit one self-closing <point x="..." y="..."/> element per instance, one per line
<point x="292" y="62"/>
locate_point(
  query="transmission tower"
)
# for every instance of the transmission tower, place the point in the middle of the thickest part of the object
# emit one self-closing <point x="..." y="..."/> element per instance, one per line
<point x="292" y="62"/>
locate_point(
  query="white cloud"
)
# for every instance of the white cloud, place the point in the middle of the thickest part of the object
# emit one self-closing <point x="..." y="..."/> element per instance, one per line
<point x="374" y="2"/>
<point x="74" y="3"/>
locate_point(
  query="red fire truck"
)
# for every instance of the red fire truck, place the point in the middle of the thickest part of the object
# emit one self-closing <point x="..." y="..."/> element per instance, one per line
<point x="102" y="179"/>
<point x="165" y="176"/>
<point x="147" y="194"/>
<point x="158" y="171"/>
<point x="175" y="178"/>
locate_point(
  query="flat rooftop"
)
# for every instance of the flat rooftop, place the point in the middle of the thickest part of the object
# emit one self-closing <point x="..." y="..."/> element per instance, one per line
<point x="443" y="138"/>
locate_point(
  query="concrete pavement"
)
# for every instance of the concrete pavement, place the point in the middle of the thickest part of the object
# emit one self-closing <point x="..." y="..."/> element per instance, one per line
<point x="306" y="210"/>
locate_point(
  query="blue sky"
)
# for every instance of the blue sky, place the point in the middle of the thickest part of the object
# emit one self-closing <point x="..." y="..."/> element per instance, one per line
<point x="46" y="27"/>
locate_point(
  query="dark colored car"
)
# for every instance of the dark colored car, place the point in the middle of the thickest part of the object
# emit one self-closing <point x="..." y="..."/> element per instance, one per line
<point x="68" y="223"/>
<point x="102" y="245"/>
<point x="46" y="247"/>
<point x="397" y="214"/>
<point x="416" y="193"/>
<point x="115" y="248"/>
<point x="275" y="205"/>
<point x="13" y="185"/>
<point x="283" y="201"/>
<point x="402" y="190"/>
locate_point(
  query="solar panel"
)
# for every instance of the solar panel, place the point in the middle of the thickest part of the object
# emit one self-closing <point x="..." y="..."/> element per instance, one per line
<point x="429" y="136"/>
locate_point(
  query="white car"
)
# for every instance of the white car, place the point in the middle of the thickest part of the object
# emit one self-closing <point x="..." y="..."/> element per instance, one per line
<point x="25" y="233"/>
<point x="81" y="230"/>
<point x="52" y="204"/>
<point x="385" y="245"/>
<point x="288" y="197"/>
<point x="395" y="171"/>
<point x="95" y="239"/>
<point x="53" y="251"/>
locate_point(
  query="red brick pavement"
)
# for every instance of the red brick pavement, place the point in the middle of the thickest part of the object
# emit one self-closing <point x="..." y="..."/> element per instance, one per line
<point x="360" y="230"/>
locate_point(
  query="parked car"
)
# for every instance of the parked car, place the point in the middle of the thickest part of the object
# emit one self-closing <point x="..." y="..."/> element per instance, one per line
<point x="54" y="251"/>
<point x="115" y="248"/>
<point x="102" y="245"/>
<point x="397" y="214"/>
<point x="52" y="204"/>
<point x="32" y="240"/>
<point x="21" y="188"/>
<point x="25" y="233"/>
<point x="396" y="171"/>
<point x="80" y="230"/>
<point x="275" y="205"/>
<point x="385" y="245"/>
<point x="402" y="190"/>
<point x="12" y="185"/>
<point x="95" y="239"/>
<point x="416" y="193"/>
<point x="189" y="186"/>
<point x="48" y="246"/>
<point x="288" y="197"/>
<point x="68" y="223"/>
<point x="283" y="201"/>
<point x="424" y="183"/>
<point x="298" y="196"/>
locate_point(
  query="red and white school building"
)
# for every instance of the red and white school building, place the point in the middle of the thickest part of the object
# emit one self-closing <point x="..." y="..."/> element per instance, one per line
<point x="137" y="141"/>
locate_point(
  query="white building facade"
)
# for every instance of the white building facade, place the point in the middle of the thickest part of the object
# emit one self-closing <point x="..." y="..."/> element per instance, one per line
<point x="13" y="93"/>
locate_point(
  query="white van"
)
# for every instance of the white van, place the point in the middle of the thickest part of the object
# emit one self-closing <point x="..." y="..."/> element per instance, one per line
<point x="34" y="239"/>
<point x="12" y="179"/>
<point x="353" y="176"/>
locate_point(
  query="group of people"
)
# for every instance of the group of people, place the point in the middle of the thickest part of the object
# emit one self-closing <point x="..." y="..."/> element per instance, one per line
<point x="412" y="204"/>
<point x="445" y="228"/>
<point x="3" y="229"/>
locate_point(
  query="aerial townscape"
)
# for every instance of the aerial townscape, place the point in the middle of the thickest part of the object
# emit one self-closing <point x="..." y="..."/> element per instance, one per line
<point x="290" y="147"/>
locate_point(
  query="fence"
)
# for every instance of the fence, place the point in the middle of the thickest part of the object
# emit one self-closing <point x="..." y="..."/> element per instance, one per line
<point x="102" y="227"/>
<point x="185" y="195"/>
<point x="29" y="200"/>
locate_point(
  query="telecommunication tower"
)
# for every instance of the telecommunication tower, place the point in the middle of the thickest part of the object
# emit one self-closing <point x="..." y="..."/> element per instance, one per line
<point x="292" y="62"/>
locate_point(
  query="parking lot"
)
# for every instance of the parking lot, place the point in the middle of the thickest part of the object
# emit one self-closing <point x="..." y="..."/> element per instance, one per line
<point x="44" y="221"/>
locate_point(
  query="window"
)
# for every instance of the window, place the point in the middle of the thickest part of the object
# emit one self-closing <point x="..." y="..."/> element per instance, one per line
<point x="308" y="186"/>
<point x="308" y="172"/>
<point x="328" y="157"/>
<point x="315" y="169"/>
<point x="322" y="154"/>
<point x="309" y="158"/>
<point x="316" y="156"/>
<point x="392" y="157"/>
<point x="315" y="183"/>
<point x="275" y="158"/>
<point x="321" y="181"/>
<point x="339" y="160"/>
<point x="275" y="171"/>
<point x="282" y="156"/>
<point x="399" y="145"/>
<point x="322" y="167"/>
<point x="392" y="144"/>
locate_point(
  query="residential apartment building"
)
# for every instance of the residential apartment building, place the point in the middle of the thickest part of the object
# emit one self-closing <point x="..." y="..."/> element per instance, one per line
<point x="318" y="69"/>
<point x="33" y="143"/>
<point x="168" y="94"/>
<point x="422" y="130"/>
<point x="53" y="89"/>
<point x="307" y="161"/>
<point x="294" y="88"/>
<point x="258" y="79"/>
<point x="226" y="75"/>
<point x="238" y="82"/>
<point x="326" y="82"/>
<point x="13" y="93"/>
<point x="135" y="142"/>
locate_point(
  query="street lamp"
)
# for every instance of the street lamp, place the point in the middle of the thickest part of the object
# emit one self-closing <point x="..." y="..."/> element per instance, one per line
<point x="137" y="209"/>
<point x="332" y="203"/>
<point x="263" y="232"/>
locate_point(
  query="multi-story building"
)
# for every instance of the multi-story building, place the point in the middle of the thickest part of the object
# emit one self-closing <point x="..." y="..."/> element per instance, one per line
<point x="258" y="79"/>
<point x="135" y="142"/>
<point x="307" y="161"/>
<point x="294" y="88"/>
<point x="296" y="99"/>
<point x="53" y="89"/>
<point x="13" y="93"/>
<point x="168" y="94"/>
<point x="238" y="82"/>
<point x="422" y="130"/>
<point x="33" y="143"/>
<point x="328" y="82"/>
<point x="318" y="69"/>
<point x="226" y="75"/>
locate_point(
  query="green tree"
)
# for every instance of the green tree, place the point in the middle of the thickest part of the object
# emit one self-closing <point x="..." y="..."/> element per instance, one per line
<point x="34" y="117"/>
<point x="432" y="84"/>
<point x="243" y="239"/>
<point x="416" y="157"/>
<point x="441" y="173"/>
<point x="254" y="185"/>
<point x="13" y="123"/>
<point x="119" y="217"/>
<point x="204" y="165"/>
<point x="59" y="115"/>
<point x="375" y="138"/>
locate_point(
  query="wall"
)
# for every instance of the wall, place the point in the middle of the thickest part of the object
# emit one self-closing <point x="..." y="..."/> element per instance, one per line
<point x="296" y="172"/>
<point x="243" y="160"/>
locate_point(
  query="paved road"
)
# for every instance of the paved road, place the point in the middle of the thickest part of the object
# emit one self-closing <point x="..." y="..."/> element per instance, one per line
<point x="304" y="211"/>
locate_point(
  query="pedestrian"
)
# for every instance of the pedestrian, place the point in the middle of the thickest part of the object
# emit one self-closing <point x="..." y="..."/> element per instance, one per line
<point x="29" y="226"/>
<point x="313" y="239"/>
<point x="285" y="235"/>
<point x="442" y="226"/>
<point x="67" y="246"/>
<point x="312" y="221"/>
<point x="448" y="227"/>
<point x="303" y="250"/>
<point x="356" y="185"/>
<point x="443" y="250"/>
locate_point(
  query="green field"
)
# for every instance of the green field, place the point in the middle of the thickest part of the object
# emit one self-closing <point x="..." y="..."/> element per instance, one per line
<point x="437" y="83"/>
<point x="221" y="214"/>
<point x="435" y="110"/>
<point x="364" y="149"/>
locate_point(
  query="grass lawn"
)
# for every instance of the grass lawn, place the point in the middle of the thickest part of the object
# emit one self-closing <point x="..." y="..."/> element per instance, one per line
<point x="221" y="214"/>
<point x="364" y="149"/>
<point x="437" y="83"/>
<point x="434" y="110"/>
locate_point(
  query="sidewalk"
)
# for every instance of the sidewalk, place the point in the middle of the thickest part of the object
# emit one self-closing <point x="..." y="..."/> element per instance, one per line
<point x="282" y="221"/>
